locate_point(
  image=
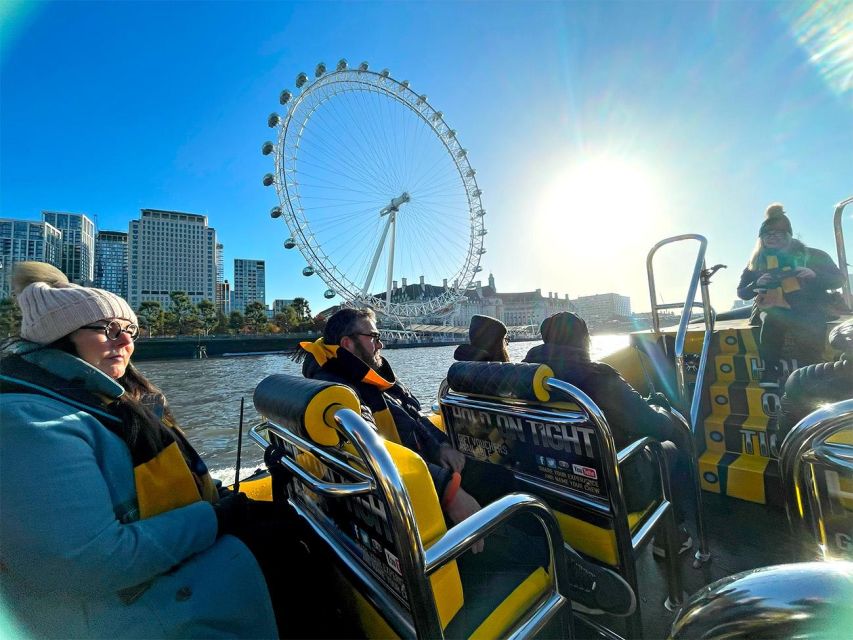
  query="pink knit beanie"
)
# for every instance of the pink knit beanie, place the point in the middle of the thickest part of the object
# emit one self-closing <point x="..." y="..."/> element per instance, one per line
<point x="52" y="307"/>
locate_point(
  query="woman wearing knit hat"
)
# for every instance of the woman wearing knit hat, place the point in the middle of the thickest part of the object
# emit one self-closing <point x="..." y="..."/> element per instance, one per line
<point x="112" y="526"/>
<point x="789" y="283"/>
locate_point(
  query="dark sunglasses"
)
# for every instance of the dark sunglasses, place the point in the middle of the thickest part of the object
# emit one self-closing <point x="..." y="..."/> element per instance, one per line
<point x="375" y="336"/>
<point x="113" y="329"/>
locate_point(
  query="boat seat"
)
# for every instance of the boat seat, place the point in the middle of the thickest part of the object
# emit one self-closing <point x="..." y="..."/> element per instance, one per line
<point x="350" y="489"/>
<point x="559" y="447"/>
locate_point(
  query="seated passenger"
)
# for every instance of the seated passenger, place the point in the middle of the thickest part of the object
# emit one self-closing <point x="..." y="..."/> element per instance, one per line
<point x="487" y="341"/>
<point x="807" y="388"/>
<point x="790" y="284"/>
<point x="112" y="526"/>
<point x="349" y="354"/>
<point x="566" y="351"/>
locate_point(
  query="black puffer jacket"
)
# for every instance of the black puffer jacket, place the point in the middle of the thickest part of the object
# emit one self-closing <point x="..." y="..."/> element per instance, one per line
<point x="809" y="387"/>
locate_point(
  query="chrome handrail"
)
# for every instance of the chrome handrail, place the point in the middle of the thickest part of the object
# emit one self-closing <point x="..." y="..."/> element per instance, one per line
<point x="699" y="278"/>
<point x="804" y="444"/>
<point x="417" y="564"/>
<point x="842" y="253"/>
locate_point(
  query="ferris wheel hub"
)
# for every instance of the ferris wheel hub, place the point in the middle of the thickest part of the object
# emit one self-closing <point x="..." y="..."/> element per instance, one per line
<point x="395" y="204"/>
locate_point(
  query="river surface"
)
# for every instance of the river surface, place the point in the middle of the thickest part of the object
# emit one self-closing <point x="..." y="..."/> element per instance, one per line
<point x="205" y="394"/>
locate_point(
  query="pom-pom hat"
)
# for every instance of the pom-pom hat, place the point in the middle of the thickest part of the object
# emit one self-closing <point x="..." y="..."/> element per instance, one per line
<point x="775" y="218"/>
<point x="52" y="307"/>
<point x="486" y="333"/>
<point x="565" y="328"/>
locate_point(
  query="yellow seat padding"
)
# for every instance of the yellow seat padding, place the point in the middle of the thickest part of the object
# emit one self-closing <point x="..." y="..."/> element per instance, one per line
<point x="446" y="583"/>
<point x="594" y="541"/>
<point x="514" y="606"/>
<point x="258" y="488"/>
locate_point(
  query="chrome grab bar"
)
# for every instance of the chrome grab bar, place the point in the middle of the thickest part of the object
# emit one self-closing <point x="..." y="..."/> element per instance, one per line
<point x="416" y="563"/>
<point x="625" y="541"/>
<point x="842" y="253"/>
<point x="700" y="278"/>
<point x="805" y="445"/>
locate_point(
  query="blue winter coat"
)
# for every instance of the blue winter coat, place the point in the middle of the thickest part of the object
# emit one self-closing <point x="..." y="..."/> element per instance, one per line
<point x="71" y="568"/>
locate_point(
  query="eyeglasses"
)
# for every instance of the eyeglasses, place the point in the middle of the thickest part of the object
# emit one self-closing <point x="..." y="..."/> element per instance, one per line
<point x="374" y="336"/>
<point x="113" y="329"/>
<point x="774" y="232"/>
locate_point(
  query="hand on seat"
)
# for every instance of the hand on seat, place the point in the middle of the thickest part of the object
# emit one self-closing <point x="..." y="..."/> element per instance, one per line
<point x="660" y="400"/>
<point x="450" y="458"/>
<point x="462" y="506"/>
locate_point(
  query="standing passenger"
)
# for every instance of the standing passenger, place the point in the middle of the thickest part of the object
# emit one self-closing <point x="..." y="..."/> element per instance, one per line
<point x="789" y="282"/>
<point x="112" y="526"/>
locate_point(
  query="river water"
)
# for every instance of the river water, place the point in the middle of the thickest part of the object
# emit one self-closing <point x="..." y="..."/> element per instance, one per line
<point x="205" y="394"/>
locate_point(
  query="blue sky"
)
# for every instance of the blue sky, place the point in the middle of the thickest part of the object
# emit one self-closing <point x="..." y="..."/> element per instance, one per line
<point x="596" y="128"/>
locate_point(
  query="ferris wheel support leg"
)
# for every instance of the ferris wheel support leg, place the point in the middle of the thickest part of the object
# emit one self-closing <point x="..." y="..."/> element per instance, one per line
<point x="392" y="222"/>
<point x="375" y="260"/>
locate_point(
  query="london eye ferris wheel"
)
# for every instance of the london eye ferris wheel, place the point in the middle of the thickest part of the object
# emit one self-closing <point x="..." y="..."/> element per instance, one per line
<point x="377" y="192"/>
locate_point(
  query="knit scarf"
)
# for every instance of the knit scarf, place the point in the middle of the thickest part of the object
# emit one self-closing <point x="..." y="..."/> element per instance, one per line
<point x="370" y="385"/>
<point x="168" y="472"/>
<point x="784" y="266"/>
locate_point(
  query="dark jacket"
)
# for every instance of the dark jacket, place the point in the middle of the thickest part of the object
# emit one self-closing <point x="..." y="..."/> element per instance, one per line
<point x="628" y="415"/>
<point x="809" y="387"/>
<point x="385" y="402"/>
<point x="805" y="295"/>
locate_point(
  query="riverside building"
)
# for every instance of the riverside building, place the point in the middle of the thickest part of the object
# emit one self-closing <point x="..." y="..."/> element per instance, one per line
<point x="22" y="240"/>
<point x="249" y="283"/>
<point x="77" y="258"/>
<point x="603" y="306"/>
<point x="170" y="251"/>
<point x="111" y="262"/>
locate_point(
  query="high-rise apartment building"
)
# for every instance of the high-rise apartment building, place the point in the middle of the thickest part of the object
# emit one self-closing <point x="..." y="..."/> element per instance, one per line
<point x="26" y="240"/>
<point x="111" y="262"/>
<point x="223" y="297"/>
<point x="78" y="244"/>
<point x="170" y="251"/>
<point x="602" y="306"/>
<point x="220" y="301"/>
<point x="249" y="283"/>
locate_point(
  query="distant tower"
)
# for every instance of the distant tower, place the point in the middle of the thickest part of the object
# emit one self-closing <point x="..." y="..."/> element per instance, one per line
<point x="78" y="245"/>
<point x="170" y="251"/>
<point x="220" y="278"/>
<point x="492" y="282"/>
<point x="22" y="240"/>
<point x="249" y="283"/>
<point x="111" y="262"/>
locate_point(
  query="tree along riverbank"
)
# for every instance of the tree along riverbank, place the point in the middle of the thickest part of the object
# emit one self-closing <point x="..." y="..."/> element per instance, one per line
<point x="189" y="347"/>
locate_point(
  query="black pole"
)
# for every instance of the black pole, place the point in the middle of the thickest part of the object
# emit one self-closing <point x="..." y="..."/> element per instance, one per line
<point x="239" y="448"/>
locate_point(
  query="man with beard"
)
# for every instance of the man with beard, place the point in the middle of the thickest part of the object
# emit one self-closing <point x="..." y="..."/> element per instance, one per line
<point x="349" y="354"/>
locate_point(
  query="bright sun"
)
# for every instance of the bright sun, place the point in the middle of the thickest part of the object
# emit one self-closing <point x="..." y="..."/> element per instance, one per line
<point x="601" y="201"/>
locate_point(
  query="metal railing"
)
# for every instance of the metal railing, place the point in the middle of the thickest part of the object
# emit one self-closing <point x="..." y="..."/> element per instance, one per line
<point x="842" y="253"/>
<point x="700" y="278"/>
<point x="417" y="563"/>
<point x="804" y="447"/>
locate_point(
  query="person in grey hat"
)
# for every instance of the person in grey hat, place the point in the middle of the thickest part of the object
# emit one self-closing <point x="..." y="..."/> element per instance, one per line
<point x="487" y="341"/>
<point x="789" y="284"/>
<point x="108" y="511"/>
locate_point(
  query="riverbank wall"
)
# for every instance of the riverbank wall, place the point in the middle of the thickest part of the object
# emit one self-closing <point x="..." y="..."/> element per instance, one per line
<point x="189" y="347"/>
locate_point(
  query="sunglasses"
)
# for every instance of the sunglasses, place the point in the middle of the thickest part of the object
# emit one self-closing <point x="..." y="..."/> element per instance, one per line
<point x="374" y="336"/>
<point x="113" y="329"/>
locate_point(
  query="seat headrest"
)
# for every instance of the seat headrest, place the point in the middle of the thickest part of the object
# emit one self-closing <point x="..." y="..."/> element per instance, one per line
<point x="522" y="381"/>
<point x="306" y="407"/>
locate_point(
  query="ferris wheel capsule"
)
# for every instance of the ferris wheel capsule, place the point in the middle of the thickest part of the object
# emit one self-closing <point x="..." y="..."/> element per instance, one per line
<point x="405" y="84"/>
<point x="267" y="148"/>
<point x="275" y="212"/>
<point x="471" y="172"/>
<point x="481" y="212"/>
<point x="462" y="153"/>
<point x="274" y="120"/>
<point x="320" y="69"/>
<point x="329" y="294"/>
<point x="482" y="232"/>
<point x="438" y="115"/>
<point x="385" y="73"/>
<point x="363" y="66"/>
<point x="478" y="269"/>
<point x="285" y="96"/>
<point x="422" y="98"/>
<point x="308" y="271"/>
<point x="482" y="250"/>
<point x="301" y="80"/>
<point x="269" y="180"/>
<point x="342" y="64"/>
<point x="289" y="243"/>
